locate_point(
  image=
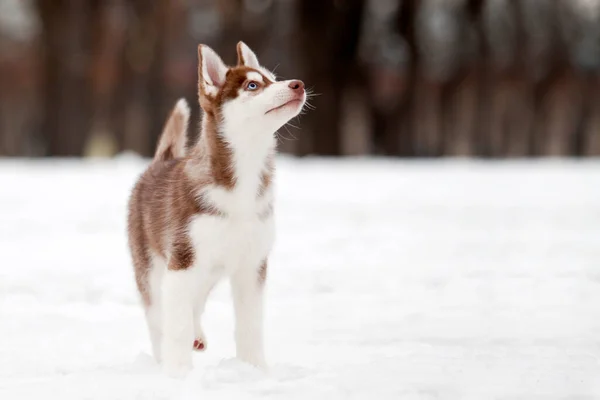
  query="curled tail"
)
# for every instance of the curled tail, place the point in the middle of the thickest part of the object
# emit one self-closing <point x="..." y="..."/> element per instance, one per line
<point x="173" y="138"/>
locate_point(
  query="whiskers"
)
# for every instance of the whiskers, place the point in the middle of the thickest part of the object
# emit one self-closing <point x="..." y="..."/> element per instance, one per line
<point x="310" y="94"/>
<point x="280" y="136"/>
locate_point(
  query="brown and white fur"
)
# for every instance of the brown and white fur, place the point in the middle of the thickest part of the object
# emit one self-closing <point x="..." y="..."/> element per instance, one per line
<point x="204" y="214"/>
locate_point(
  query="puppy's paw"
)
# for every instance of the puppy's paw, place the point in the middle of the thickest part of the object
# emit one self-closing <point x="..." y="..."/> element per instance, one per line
<point x="177" y="369"/>
<point x="253" y="358"/>
<point x="176" y="359"/>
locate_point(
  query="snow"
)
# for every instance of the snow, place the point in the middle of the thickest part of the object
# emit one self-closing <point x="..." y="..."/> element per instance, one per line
<point x="390" y="280"/>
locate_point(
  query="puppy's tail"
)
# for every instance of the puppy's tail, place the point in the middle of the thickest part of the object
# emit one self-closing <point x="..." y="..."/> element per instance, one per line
<point x="172" y="140"/>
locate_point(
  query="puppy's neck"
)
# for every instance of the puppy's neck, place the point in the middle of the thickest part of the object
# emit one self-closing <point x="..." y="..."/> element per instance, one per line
<point x="236" y="156"/>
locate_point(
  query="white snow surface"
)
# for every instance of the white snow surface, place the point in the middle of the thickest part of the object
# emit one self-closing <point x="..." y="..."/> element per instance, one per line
<point x="389" y="280"/>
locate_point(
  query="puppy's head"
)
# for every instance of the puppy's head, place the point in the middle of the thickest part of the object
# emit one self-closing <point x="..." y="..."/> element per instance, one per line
<point x="247" y="98"/>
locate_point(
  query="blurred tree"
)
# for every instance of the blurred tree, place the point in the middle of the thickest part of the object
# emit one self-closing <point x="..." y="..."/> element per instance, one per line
<point x="19" y="79"/>
<point x="66" y="37"/>
<point x="328" y="33"/>
<point x="510" y="113"/>
<point x="388" y="57"/>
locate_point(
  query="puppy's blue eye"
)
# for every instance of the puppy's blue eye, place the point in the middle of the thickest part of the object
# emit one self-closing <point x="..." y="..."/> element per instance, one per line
<point x="252" y="86"/>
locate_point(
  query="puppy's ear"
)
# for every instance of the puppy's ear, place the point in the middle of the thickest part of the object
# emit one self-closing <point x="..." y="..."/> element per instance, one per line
<point x="246" y="57"/>
<point x="211" y="71"/>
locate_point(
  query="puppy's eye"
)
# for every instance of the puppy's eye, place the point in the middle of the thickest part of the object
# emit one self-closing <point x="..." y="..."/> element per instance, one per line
<point x="251" y="86"/>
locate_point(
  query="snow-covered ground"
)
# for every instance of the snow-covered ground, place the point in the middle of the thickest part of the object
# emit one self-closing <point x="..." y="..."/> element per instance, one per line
<point x="390" y="280"/>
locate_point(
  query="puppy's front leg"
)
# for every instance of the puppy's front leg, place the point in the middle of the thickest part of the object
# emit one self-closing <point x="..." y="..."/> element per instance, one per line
<point x="247" y="286"/>
<point x="178" y="321"/>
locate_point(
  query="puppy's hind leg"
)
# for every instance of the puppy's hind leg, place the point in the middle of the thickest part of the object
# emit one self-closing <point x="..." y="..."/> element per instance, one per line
<point x="153" y="309"/>
<point x="148" y="273"/>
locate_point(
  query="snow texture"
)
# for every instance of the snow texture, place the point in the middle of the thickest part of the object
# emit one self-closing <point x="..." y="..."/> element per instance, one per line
<point x="389" y="280"/>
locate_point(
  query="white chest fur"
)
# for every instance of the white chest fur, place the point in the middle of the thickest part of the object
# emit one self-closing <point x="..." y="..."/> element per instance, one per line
<point x="242" y="238"/>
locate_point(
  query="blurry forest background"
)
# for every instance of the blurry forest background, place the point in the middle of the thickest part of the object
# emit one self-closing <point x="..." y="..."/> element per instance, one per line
<point x="411" y="78"/>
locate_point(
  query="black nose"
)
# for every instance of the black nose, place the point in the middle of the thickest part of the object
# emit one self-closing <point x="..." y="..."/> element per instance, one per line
<point x="296" y="85"/>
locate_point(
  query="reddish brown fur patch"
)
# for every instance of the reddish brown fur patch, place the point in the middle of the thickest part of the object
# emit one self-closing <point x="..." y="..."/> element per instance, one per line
<point x="162" y="202"/>
<point x="139" y="250"/>
<point x="213" y="148"/>
<point x="172" y="141"/>
<point x="266" y="176"/>
<point x="236" y="79"/>
<point x="262" y="272"/>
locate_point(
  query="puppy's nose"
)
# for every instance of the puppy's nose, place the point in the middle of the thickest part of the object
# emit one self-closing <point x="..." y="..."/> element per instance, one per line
<point x="296" y="85"/>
